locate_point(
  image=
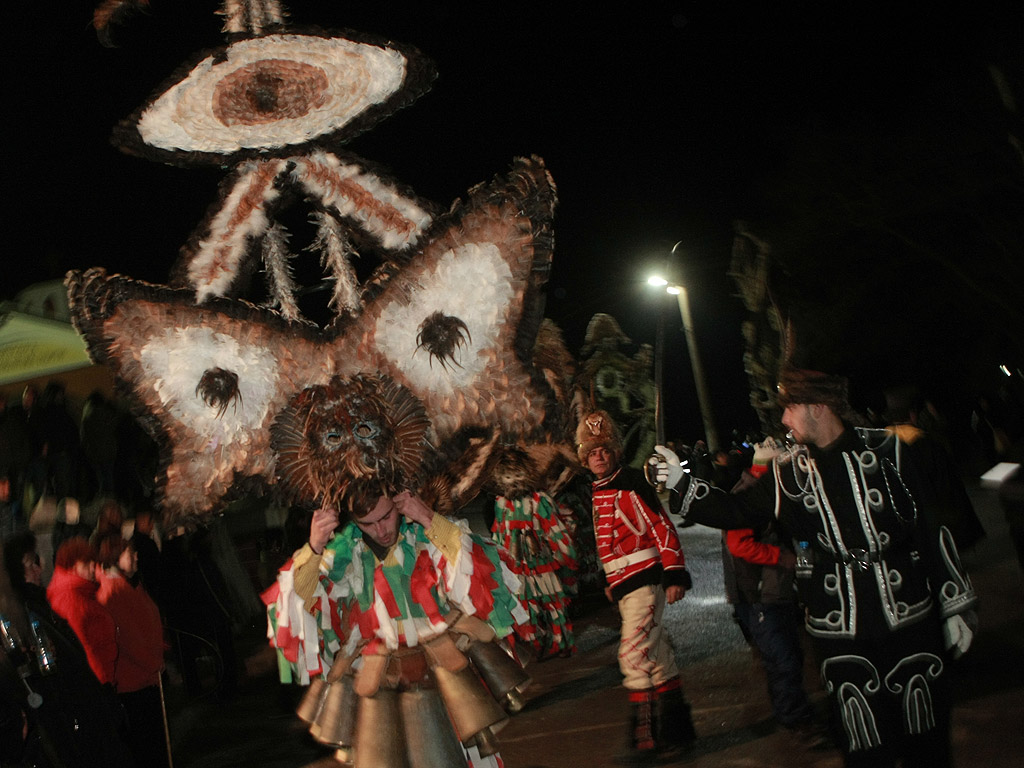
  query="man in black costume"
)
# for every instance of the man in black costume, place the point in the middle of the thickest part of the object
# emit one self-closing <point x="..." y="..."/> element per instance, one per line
<point x="884" y="591"/>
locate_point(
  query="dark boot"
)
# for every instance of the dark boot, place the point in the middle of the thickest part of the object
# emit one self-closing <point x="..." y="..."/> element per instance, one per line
<point x="640" y="745"/>
<point x="674" y="733"/>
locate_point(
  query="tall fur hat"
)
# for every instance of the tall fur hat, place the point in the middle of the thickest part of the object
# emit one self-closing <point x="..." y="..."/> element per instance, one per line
<point x="597" y="429"/>
<point x="800" y="385"/>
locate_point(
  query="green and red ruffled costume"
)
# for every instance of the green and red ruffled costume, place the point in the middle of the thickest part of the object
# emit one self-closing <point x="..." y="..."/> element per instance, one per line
<point x="541" y="550"/>
<point x="348" y="601"/>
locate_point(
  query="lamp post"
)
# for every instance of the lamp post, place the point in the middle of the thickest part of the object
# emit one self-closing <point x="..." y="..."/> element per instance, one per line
<point x="703" y="397"/>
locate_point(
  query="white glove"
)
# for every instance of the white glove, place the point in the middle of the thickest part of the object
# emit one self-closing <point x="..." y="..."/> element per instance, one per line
<point x="958" y="635"/>
<point x="669" y="470"/>
<point x="767" y="450"/>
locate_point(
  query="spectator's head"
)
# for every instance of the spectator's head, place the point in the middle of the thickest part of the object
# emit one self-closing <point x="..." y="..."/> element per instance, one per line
<point x="22" y="560"/>
<point x="77" y="555"/>
<point x="28" y="397"/>
<point x="53" y="394"/>
<point x="114" y="551"/>
<point x="110" y="517"/>
<point x="144" y="522"/>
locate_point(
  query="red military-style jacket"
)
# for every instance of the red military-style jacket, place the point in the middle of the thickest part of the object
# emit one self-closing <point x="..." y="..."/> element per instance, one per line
<point x="636" y="542"/>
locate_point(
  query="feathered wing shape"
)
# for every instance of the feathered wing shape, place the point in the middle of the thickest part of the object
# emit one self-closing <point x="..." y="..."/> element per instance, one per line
<point x="482" y="269"/>
<point x="209" y="380"/>
<point x="167" y="354"/>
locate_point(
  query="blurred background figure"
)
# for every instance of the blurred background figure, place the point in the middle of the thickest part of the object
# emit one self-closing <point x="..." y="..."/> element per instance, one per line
<point x="72" y="593"/>
<point x="69" y="522"/>
<point x="98" y="433"/>
<point x="140" y="649"/>
<point x="145" y="540"/>
<point x="55" y="713"/>
<point x="109" y="521"/>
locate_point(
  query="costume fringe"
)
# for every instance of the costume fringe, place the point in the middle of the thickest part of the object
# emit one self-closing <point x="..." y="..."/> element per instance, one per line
<point x="358" y="600"/>
<point x="541" y="552"/>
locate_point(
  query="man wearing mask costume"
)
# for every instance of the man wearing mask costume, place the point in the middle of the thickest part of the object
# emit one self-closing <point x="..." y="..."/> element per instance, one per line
<point x="399" y="607"/>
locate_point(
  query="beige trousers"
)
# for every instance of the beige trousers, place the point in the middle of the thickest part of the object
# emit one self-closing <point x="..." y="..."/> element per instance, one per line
<point x="646" y="656"/>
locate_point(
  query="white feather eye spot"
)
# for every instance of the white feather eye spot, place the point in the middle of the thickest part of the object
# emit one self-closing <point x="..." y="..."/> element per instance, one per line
<point x="472" y="283"/>
<point x="272" y="91"/>
<point x="198" y="372"/>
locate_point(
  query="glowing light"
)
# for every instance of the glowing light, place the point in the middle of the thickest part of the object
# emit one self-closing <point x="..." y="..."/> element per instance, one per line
<point x="1005" y="370"/>
<point x="657" y="280"/>
<point x="675" y="290"/>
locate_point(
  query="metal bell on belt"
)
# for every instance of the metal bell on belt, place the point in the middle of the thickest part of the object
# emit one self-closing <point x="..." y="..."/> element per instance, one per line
<point x="380" y="737"/>
<point x="470" y="705"/>
<point x="501" y="672"/>
<point x="312" y="701"/>
<point x="429" y="735"/>
<point x="335" y="722"/>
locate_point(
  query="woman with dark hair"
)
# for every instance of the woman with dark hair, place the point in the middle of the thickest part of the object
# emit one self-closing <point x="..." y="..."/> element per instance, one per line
<point x="140" y="649"/>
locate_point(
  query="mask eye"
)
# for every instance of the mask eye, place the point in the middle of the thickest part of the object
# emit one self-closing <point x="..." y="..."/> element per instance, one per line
<point x="366" y="431"/>
<point x="333" y="438"/>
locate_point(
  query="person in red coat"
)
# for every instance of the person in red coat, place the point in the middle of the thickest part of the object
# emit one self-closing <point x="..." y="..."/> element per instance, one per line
<point x="72" y="595"/>
<point x="645" y="569"/>
<point x="140" y="647"/>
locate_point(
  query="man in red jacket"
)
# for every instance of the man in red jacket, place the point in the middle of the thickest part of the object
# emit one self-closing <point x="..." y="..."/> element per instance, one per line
<point x="72" y="595"/>
<point x="645" y="569"/>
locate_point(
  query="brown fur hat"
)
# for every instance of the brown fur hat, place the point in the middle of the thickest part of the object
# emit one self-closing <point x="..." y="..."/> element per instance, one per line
<point x="799" y="385"/>
<point x="597" y="429"/>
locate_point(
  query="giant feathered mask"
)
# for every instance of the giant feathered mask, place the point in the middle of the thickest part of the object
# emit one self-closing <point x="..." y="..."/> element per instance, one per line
<point x="428" y="367"/>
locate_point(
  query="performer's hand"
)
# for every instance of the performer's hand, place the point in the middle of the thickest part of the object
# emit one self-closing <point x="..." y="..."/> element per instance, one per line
<point x="413" y="508"/>
<point x="958" y="635"/>
<point x="669" y="469"/>
<point x="767" y="450"/>
<point x="325" y="520"/>
<point x="674" y="594"/>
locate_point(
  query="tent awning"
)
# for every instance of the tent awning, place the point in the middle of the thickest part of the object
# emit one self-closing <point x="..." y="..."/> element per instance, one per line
<point x="32" y="346"/>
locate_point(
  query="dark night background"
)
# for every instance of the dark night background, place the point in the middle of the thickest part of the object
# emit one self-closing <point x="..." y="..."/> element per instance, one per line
<point x="872" y="147"/>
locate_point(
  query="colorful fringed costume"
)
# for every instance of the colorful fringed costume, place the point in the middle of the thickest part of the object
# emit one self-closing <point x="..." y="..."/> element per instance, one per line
<point x="397" y="625"/>
<point x="541" y="548"/>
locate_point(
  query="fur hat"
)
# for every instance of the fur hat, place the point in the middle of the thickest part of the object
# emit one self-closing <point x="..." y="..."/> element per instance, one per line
<point x="800" y="385"/>
<point x="597" y="429"/>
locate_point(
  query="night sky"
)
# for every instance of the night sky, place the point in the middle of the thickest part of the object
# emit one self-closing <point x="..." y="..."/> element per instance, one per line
<point x="869" y="147"/>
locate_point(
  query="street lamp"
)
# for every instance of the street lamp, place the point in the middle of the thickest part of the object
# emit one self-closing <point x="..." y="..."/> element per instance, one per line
<point x="679" y="291"/>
